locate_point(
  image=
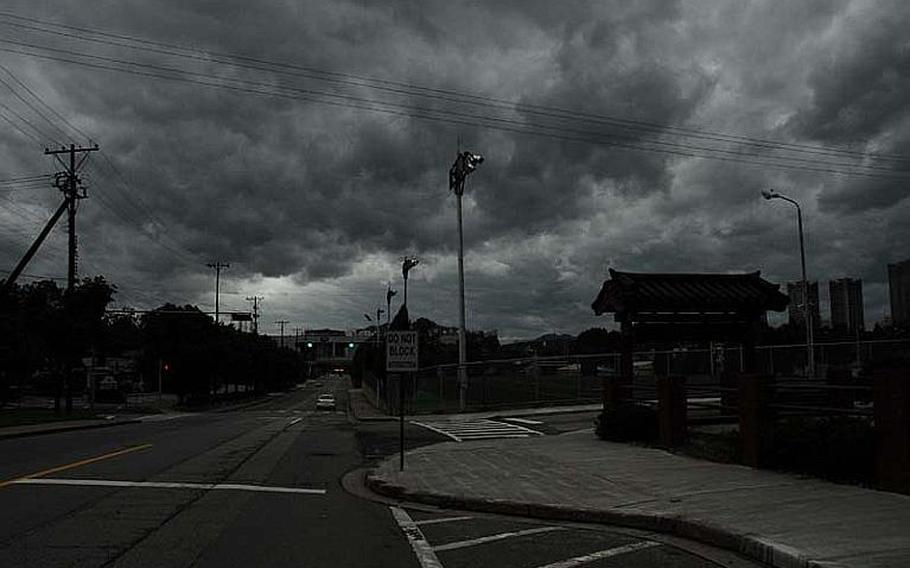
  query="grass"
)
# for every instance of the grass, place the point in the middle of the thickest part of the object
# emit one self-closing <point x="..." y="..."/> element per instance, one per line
<point x="27" y="416"/>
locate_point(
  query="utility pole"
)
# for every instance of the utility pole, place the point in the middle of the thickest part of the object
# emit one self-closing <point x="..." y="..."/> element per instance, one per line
<point x="255" y="300"/>
<point x="69" y="183"/>
<point x="218" y="265"/>
<point x="465" y="163"/>
<point x="297" y="331"/>
<point x="281" y="324"/>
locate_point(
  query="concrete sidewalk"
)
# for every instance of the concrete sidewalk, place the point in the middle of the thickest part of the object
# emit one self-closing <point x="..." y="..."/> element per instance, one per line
<point x="783" y="520"/>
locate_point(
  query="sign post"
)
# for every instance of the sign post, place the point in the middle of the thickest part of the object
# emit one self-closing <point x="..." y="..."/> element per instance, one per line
<point x="401" y="357"/>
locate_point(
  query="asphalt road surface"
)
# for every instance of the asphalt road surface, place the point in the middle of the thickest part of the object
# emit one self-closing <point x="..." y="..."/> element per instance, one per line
<point x="262" y="486"/>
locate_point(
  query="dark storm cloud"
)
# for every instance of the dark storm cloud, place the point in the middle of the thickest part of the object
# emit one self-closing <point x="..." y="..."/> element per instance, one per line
<point x="313" y="204"/>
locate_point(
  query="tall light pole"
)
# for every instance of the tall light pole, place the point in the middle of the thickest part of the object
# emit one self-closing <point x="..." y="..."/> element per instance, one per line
<point x="389" y="294"/>
<point x="465" y="163"/>
<point x="281" y="324"/>
<point x="217" y="265"/>
<point x="807" y="317"/>
<point x="407" y="264"/>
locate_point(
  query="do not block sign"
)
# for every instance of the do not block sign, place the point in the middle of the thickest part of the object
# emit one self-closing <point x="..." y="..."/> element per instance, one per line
<point x="401" y="351"/>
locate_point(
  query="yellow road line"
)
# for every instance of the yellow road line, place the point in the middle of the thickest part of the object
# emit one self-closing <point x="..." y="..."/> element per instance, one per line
<point x="75" y="464"/>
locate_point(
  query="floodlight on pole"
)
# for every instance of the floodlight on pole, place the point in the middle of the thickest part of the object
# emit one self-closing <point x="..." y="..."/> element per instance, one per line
<point x="769" y="194"/>
<point x="389" y="294"/>
<point x="407" y="264"/>
<point x="465" y="163"/>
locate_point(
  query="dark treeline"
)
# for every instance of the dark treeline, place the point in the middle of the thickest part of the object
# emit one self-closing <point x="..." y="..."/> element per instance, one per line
<point x="47" y="334"/>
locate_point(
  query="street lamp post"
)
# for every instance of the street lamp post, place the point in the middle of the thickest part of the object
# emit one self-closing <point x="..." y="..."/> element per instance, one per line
<point x="389" y="293"/>
<point x="465" y="163"/>
<point x="807" y="317"/>
<point x="407" y="264"/>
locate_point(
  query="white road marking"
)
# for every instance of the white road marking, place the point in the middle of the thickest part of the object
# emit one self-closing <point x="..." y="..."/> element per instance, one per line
<point x="419" y="544"/>
<point x="165" y="417"/>
<point x="523" y="421"/>
<point x="493" y="538"/>
<point x="294" y="421"/>
<point x="587" y="558"/>
<point x="442" y="520"/>
<point x="169" y="485"/>
<point x="477" y="429"/>
<point x="437" y="430"/>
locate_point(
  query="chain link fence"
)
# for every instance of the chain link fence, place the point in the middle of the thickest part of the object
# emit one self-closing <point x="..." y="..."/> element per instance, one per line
<point x="578" y="379"/>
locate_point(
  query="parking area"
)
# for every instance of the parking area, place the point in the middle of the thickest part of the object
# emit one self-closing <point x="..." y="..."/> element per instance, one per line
<point x="455" y="540"/>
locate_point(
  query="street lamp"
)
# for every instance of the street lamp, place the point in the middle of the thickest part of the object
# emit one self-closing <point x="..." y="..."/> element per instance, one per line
<point x="389" y="293"/>
<point x="808" y="320"/>
<point x="465" y="163"/>
<point x="407" y="264"/>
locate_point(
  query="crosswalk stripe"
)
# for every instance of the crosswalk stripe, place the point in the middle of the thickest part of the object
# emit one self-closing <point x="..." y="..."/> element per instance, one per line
<point x="477" y="429"/>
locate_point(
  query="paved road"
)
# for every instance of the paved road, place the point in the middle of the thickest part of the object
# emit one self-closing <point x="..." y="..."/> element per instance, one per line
<point x="254" y="487"/>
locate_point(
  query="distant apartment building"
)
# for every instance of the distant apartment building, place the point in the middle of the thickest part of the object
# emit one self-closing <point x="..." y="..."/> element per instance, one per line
<point x="795" y="309"/>
<point x="846" y="299"/>
<point x="899" y="286"/>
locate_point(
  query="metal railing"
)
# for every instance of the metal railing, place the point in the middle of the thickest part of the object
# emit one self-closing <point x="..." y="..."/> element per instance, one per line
<point x="577" y="379"/>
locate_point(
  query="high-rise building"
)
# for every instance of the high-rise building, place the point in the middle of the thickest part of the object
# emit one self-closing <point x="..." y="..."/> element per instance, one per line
<point x="899" y="285"/>
<point x="846" y="295"/>
<point x="795" y="308"/>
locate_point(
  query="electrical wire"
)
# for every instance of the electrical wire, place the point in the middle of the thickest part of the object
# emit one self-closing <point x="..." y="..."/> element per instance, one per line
<point x="33" y="108"/>
<point x="53" y="111"/>
<point x="37" y="139"/>
<point x="445" y="116"/>
<point x="411" y="89"/>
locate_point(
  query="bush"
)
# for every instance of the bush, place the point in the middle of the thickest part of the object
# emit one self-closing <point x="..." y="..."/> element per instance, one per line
<point x="837" y="448"/>
<point x="627" y="422"/>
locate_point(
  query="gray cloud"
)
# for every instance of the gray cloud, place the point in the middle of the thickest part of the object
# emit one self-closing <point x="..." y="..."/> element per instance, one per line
<point x="314" y="203"/>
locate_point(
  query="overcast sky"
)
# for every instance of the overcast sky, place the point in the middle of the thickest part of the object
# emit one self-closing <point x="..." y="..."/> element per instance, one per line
<point x="313" y="181"/>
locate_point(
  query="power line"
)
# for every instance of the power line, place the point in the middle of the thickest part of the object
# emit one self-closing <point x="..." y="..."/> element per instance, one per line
<point x="602" y="138"/>
<point x="25" y="178"/>
<point x="44" y="137"/>
<point x="444" y="116"/>
<point x="31" y="106"/>
<point x="141" y="205"/>
<point x="45" y="105"/>
<point x="411" y="89"/>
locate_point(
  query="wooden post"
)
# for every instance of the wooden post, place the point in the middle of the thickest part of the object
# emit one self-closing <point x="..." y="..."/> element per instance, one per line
<point x="891" y="391"/>
<point x="756" y="420"/>
<point x="671" y="410"/>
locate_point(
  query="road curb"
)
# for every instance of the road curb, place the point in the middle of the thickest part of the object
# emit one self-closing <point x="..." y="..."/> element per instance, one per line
<point x="57" y="430"/>
<point x="750" y="545"/>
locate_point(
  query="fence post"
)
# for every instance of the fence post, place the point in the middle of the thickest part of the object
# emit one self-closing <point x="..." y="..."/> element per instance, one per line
<point x="756" y="420"/>
<point x="671" y="410"/>
<point x="891" y="392"/>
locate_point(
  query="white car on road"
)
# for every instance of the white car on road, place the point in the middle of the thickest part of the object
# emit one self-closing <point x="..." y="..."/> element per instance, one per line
<point x="325" y="402"/>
